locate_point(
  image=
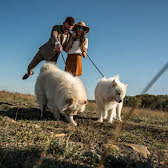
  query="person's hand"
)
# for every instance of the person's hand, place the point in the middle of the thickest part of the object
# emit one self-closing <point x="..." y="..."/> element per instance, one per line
<point x="59" y="48"/>
<point x="84" y="50"/>
<point x="84" y="55"/>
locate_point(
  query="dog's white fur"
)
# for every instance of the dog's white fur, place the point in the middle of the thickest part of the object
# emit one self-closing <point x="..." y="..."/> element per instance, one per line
<point x="60" y="92"/>
<point x="109" y="95"/>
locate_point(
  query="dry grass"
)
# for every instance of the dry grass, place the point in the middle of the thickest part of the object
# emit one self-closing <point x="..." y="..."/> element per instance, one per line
<point x="26" y="141"/>
<point x="148" y="113"/>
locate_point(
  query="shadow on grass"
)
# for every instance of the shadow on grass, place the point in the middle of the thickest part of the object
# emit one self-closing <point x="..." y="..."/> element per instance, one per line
<point x="29" y="114"/>
<point x="79" y="116"/>
<point x="29" y="159"/>
<point x="34" y="114"/>
<point x="126" y="162"/>
<point x="4" y="103"/>
<point x="26" y="114"/>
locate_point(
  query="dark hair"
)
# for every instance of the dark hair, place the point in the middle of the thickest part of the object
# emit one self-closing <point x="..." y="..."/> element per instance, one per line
<point x="82" y="39"/>
<point x="70" y="20"/>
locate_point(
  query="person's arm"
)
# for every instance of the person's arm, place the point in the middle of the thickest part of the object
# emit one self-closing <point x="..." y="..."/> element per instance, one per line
<point x="55" y="39"/>
<point x="84" y="48"/>
<point x="84" y="51"/>
<point x="54" y="35"/>
<point x="68" y="45"/>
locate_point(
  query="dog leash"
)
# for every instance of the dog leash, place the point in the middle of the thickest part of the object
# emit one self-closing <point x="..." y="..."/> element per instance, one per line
<point x="89" y="59"/>
<point x="64" y="61"/>
<point x="94" y="64"/>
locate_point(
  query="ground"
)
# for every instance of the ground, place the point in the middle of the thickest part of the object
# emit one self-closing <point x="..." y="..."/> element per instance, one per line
<point x="28" y="141"/>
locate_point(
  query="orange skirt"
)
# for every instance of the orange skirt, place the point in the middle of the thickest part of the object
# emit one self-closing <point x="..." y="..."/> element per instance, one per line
<point x="74" y="64"/>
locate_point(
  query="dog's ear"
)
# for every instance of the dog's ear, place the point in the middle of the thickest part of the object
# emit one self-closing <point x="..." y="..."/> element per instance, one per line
<point x="69" y="101"/>
<point x="114" y="83"/>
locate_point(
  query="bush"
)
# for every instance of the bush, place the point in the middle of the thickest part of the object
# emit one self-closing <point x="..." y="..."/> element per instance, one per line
<point x="159" y="102"/>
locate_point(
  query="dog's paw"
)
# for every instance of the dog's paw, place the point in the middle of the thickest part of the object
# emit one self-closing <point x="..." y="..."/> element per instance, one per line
<point x="100" y="120"/>
<point x="105" y="118"/>
<point x="110" y="121"/>
<point x="74" y="124"/>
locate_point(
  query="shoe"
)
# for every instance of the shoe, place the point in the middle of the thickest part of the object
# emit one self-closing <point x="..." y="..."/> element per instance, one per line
<point x="26" y="76"/>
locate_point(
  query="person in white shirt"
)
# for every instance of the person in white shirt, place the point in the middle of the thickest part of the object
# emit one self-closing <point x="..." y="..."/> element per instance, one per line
<point x="77" y="48"/>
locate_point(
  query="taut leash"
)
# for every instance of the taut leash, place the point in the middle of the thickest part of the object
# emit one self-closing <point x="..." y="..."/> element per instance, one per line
<point x="64" y="61"/>
<point x="95" y="65"/>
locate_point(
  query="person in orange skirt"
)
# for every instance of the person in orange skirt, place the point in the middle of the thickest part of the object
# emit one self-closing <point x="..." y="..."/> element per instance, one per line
<point x="77" y="48"/>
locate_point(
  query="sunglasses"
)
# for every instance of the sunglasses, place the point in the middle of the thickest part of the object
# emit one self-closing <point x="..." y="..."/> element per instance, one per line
<point x="79" y="28"/>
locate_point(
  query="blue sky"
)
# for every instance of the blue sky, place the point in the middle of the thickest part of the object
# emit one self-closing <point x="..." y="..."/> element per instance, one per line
<point x="127" y="37"/>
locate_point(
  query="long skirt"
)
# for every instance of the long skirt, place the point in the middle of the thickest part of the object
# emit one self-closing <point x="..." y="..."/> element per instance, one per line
<point x="74" y="64"/>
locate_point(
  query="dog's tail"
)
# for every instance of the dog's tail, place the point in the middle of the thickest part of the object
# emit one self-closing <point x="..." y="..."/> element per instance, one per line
<point x="49" y="66"/>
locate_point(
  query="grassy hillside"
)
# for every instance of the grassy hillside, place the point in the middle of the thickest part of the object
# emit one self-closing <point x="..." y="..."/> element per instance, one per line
<point x="26" y="141"/>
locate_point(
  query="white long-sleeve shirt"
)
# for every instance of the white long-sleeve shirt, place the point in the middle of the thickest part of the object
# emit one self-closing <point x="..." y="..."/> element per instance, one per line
<point x="75" y="49"/>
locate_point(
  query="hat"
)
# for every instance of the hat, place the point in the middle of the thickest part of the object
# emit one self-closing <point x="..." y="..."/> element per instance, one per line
<point x="83" y="25"/>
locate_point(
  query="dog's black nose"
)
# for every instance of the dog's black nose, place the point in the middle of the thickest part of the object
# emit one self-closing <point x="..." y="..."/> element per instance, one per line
<point x="120" y="101"/>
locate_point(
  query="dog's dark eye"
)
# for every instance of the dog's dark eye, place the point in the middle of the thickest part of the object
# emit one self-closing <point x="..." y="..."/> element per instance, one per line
<point x="119" y="93"/>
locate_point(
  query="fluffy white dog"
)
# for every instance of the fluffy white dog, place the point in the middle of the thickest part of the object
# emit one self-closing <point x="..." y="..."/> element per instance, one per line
<point x="109" y="95"/>
<point x="60" y="92"/>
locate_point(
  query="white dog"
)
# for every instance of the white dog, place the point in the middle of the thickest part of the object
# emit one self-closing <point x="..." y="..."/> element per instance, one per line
<point x="60" y="92"/>
<point x="109" y="95"/>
